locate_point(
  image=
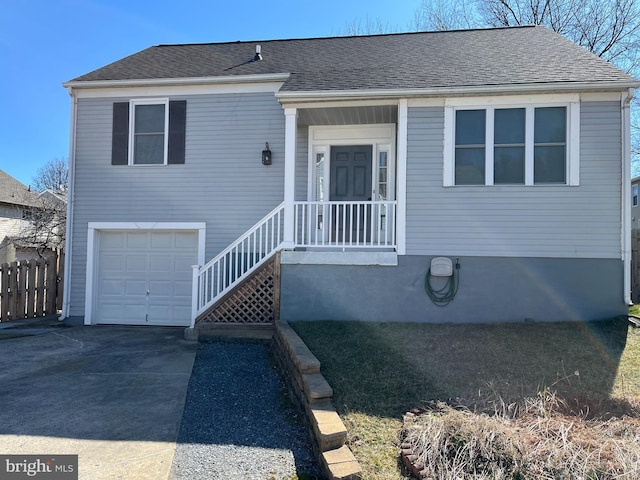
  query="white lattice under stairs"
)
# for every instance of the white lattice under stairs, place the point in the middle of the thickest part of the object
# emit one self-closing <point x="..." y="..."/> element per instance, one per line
<point x="253" y="301"/>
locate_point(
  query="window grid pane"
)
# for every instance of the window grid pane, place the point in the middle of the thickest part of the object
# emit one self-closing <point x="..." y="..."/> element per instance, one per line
<point x="550" y="125"/>
<point x="149" y="118"/>
<point x="549" y="164"/>
<point x="470" y="127"/>
<point x="508" y="165"/>
<point x="470" y="166"/>
<point x="149" y="150"/>
<point x="509" y="126"/>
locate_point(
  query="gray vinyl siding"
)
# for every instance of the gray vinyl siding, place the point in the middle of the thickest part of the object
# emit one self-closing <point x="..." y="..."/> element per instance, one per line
<point x="516" y="221"/>
<point x="222" y="182"/>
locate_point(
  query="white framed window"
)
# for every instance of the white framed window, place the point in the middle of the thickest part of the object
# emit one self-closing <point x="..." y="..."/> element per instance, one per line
<point x="384" y="188"/>
<point x="319" y="173"/>
<point x="634" y="197"/>
<point x="513" y="143"/>
<point x="149" y="132"/>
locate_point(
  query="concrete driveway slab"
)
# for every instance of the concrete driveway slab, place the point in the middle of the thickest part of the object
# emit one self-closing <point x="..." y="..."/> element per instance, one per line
<point x="112" y="395"/>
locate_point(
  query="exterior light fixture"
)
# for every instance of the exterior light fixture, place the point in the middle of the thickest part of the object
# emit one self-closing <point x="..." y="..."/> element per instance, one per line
<point x="266" y="155"/>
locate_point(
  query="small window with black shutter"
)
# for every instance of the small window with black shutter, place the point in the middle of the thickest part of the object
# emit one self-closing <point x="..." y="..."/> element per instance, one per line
<point x="149" y="132"/>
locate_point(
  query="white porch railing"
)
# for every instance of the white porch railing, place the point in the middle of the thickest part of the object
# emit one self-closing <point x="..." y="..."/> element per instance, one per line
<point x="243" y="256"/>
<point x="370" y="224"/>
<point x="358" y="225"/>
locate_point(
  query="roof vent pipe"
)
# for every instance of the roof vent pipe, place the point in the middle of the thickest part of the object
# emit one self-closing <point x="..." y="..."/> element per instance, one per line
<point x="258" y="56"/>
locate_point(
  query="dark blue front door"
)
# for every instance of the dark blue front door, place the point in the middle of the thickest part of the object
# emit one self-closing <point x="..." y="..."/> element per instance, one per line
<point x="350" y="181"/>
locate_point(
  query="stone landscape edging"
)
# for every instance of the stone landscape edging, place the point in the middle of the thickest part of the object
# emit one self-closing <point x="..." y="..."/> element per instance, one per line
<point x="313" y="397"/>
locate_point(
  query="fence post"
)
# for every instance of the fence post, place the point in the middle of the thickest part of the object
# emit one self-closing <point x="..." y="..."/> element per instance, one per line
<point x="30" y="292"/>
<point x="4" y="291"/>
<point x="51" y="286"/>
<point x="13" y="287"/>
<point x="21" y="286"/>
<point x="39" y="290"/>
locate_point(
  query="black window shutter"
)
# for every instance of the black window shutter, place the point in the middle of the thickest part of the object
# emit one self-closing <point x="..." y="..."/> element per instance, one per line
<point x="120" y="136"/>
<point x="177" y="128"/>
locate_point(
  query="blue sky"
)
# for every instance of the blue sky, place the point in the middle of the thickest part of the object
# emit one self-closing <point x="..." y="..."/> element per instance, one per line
<point x="44" y="43"/>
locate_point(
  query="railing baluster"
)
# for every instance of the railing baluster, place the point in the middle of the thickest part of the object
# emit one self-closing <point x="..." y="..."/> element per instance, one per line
<point x="296" y="225"/>
<point x="393" y="225"/>
<point x="344" y="224"/>
<point x="306" y="225"/>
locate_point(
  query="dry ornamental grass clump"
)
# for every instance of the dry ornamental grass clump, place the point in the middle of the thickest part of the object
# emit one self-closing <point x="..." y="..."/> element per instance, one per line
<point x="539" y="438"/>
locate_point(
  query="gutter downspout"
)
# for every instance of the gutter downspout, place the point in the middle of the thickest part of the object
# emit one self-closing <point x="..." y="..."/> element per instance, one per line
<point x="70" y="202"/>
<point x="626" y="191"/>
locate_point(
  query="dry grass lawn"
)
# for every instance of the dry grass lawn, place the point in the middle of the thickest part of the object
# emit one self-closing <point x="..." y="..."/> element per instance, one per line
<point x="381" y="370"/>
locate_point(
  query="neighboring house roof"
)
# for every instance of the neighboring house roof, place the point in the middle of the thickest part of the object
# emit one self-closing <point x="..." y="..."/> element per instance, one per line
<point x="59" y="196"/>
<point x="464" y="58"/>
<point x="15" y="193"/>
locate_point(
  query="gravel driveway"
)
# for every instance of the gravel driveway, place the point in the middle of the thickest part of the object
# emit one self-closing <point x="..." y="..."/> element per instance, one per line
<point x="238" y="422"/>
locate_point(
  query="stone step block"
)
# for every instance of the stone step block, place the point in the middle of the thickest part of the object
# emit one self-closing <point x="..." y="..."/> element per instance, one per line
<point x="340" y="464"/>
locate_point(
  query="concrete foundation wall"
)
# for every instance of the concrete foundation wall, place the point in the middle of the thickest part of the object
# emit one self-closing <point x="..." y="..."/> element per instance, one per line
<point x="491" y="289"/>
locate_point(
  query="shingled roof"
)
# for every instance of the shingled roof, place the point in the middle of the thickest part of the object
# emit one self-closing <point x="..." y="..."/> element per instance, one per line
<point x="464" y="58"/>
<point x="13" y="192"/>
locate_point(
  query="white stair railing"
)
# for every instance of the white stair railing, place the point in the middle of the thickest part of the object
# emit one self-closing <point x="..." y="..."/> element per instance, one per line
<point x="234" y="263"/>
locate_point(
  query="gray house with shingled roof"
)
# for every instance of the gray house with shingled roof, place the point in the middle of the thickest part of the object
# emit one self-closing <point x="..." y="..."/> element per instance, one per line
<point x="342" y="167"/>
<point x="17" y="202"/>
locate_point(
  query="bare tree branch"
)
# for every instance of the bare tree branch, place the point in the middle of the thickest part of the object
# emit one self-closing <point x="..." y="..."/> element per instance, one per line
<point x="438" y="15"/>
<point x="608" y="28"/>
<point x="44" y="225"/>
<point x="368" y="26"/>
<point x="54" y="175"/>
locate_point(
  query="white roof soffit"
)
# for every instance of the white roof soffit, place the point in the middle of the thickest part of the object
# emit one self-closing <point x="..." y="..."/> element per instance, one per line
<point x="153" y="82"/>
<point x="574" y="87"/>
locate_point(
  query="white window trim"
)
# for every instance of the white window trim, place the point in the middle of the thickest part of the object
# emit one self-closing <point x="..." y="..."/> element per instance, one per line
<point x="93" y="229"/>
<point x="317" y="150"/>
<point x="634" y="195"/>
<point x="391" y="173"/>
<point x="321" y="138"/>
<point x="529" y="103"/>
<point x="132" y="125"/>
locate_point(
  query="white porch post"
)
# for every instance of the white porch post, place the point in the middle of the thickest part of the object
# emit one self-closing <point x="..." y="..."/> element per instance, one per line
<point x="290" y="115"/>
<point x="401" y="221"/>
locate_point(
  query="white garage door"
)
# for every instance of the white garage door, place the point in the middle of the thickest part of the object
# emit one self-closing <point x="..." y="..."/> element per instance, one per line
<point x="144" y="277"/>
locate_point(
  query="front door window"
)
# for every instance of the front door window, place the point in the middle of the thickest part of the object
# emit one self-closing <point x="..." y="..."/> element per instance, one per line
<point x="319" y="188"/>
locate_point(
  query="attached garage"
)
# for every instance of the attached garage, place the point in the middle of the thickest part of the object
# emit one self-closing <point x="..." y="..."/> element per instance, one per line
<point x="141" y="276"/>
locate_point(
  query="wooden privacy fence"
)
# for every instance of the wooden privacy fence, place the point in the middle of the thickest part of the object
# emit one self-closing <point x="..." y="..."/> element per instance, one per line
<point x="31" y="288"/>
